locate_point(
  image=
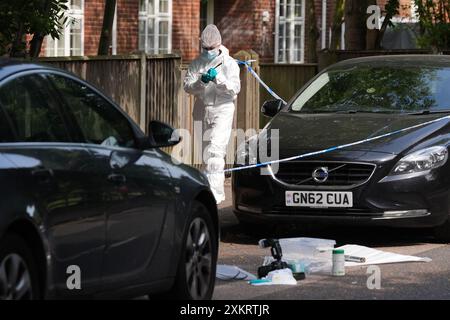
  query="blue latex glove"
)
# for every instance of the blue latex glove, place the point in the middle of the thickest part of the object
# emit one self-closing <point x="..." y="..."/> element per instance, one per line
<point x="212" y="73"/>
<point x="209" y="76"/>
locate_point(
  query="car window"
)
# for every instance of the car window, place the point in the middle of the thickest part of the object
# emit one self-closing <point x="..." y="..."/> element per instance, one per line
<point x="6" y="134"/>
<point x="32" y="111"/>
<point x="100" y="122"/>
<point x="377" y="89"/>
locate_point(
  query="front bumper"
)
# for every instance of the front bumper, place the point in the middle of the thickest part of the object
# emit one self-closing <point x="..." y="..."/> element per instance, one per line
<point x="421" y="201"/>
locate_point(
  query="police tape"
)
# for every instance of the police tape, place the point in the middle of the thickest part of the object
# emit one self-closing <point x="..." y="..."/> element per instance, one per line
<point x="328" y="150"/>
<point x="257" y="77"/>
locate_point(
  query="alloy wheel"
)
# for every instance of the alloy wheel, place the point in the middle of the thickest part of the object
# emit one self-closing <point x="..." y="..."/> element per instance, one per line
<point x="198" y="259"/>
<point x="15" y="281"/>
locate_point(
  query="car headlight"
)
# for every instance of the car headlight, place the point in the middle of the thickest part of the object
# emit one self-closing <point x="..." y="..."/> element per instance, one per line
<point x="421" y="161"/>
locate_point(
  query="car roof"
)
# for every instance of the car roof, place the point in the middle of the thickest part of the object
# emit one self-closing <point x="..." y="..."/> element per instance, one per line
<point x="9" y="67"/>
<point x="406" y="60"/>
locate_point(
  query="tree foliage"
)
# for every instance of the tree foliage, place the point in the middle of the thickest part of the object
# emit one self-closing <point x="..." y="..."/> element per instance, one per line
<point x="36" y="18"/>
<point x="434" y="20"/>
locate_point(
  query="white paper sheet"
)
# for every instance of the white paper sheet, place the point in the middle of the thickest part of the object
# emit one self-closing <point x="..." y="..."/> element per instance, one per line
<point x="374" y="256"/>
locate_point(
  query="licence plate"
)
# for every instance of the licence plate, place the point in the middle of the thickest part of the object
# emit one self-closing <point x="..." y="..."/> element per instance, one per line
<point x="316" y="199"/>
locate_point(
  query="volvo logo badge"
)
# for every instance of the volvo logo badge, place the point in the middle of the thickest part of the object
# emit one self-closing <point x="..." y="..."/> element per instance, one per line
<point x="320" y="175"/>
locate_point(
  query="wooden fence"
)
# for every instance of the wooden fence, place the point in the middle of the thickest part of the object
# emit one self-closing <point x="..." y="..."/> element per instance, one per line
<point x="151" y="88"/>
<point x="285" y="79"/>
<point x="162" y="89"/>
<point x="146" y="87"/>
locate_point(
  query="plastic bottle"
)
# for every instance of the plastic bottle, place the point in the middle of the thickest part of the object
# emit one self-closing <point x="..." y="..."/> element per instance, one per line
<point x="338" y="263"/>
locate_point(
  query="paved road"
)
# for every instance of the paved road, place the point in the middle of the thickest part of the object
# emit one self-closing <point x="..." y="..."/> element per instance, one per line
<point x="398" y="281"/>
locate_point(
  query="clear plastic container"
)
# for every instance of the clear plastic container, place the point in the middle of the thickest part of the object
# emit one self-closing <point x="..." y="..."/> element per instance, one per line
<point x="315" y="254"/>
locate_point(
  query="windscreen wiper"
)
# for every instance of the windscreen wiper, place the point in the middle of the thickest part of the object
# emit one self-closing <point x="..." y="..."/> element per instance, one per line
<point x="347" y="111"/>
<point x="425" y="112"/>
<point x="351" y="111"/>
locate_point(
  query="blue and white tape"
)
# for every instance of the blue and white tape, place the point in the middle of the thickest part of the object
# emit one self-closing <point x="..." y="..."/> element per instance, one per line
<point x="250" y="69"/>
<point x="315" y="153"/>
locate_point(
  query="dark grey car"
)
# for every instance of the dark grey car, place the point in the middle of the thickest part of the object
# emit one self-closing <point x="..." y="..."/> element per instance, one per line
<point x="89" y="205"/>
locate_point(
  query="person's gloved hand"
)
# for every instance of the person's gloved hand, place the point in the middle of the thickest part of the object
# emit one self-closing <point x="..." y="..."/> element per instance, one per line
<point x="212" y="73"/>
<point x="209" y="76"/>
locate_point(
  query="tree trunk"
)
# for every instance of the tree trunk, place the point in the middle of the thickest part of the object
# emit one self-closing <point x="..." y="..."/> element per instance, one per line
<point x="336" y="28"/>
<point x="355" y="24"/>
<point x="106" y="35"/>
<point x="313" y="32"/>
<point x="38" y="37"/>
<point x="371" y="35"/>
<point x="381" y="32"/>
<point x="36" y="45"/>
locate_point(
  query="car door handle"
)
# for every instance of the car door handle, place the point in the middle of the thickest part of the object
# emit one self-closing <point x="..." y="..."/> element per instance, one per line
<point x="42" y="174"/>
<point x="117" y="178"/>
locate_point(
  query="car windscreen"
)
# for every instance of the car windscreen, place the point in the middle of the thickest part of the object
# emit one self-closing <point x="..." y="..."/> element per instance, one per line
<point x="377" y="89"/>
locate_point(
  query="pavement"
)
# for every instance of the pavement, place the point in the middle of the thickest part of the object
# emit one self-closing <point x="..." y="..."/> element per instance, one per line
<point x="404" y="281"/>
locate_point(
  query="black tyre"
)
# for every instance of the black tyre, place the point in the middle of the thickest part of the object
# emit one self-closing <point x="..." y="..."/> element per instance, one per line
<point x="442" y="233"/>
<point x="18" y="272"/>
<point x="196" y="273"/>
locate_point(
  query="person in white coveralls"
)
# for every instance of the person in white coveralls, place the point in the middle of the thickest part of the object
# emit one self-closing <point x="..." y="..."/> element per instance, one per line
<point x="213" y="78"/>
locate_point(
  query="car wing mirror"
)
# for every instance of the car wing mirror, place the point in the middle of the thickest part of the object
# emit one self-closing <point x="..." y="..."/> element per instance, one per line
<point x="271" y="107"/>
<point x="162" y="134"/>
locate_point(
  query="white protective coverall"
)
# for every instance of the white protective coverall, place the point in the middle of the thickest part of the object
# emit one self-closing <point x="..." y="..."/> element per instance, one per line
<point x="214" y="106"/>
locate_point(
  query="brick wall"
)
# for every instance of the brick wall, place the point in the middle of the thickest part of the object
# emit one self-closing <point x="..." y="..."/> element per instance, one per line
<point x="93" y="20"/>
<point x="242" y="27"/>
<point x="186" y="28"/>
<point x="264" y="38"/>
<point x="240" y="22"/>
<point x="127" y="26"/>
<point x="404" y="10"/>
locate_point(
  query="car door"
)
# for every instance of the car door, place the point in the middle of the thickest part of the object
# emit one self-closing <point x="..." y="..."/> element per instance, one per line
<point x="139" y="184"/>
<point x="72" y="210"/>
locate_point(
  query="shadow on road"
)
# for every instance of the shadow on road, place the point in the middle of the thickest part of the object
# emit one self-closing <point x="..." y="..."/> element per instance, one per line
<point x="233" y="232"/>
